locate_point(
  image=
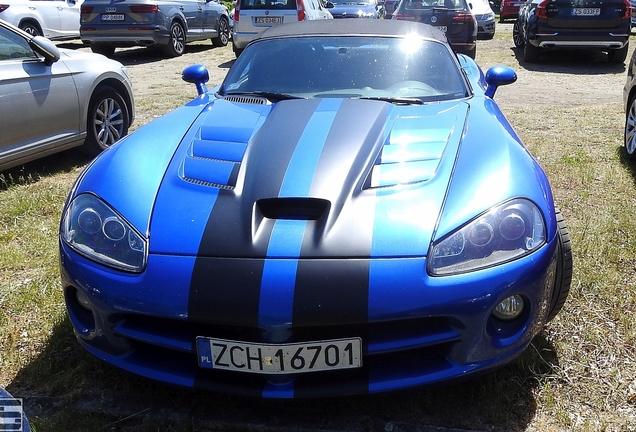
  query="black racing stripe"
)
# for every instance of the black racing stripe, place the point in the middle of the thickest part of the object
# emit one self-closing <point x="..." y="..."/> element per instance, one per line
<point x="229" y="228"/>
<point x="228" y="291"/>
<point x="355" y="139"/>
<point x="331" y="292"/>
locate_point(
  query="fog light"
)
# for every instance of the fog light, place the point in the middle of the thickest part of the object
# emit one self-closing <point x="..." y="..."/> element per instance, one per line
<point x="82" y="299"/>
<point x="510" y="308"/>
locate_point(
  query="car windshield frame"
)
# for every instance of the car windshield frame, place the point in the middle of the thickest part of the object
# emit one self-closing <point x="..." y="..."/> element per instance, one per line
<point x="406" y="70"/>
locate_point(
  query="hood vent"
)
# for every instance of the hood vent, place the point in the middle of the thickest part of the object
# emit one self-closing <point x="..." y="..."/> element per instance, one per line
<point x="247" y="99"/>
<point x="293" y="208"/>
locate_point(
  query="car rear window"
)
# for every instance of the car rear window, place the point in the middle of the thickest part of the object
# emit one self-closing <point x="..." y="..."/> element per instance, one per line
<point x="268" y="4"/>
<point x="450" y="4"/>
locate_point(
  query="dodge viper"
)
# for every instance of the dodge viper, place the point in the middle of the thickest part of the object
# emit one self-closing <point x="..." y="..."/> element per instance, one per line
<point x="347" y="212"/>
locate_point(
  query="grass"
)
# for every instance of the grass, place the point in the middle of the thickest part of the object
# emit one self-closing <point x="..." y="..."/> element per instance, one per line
<point x="579" y="373"/>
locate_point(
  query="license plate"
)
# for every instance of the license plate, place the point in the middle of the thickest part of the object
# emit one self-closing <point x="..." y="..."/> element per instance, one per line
<point x="279" y="358"/>
<point x="586" y="11"/>
<point x="113" y="17"/>
<point x="268" y="20"/>
<point x="442" y="28"/>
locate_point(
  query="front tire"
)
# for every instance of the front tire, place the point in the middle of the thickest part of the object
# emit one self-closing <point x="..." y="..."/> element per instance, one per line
<point x="223" y="33"/>
<point x="563" y="277"/>
<point x="108" y="120"/>
<point x="629" y="138"/>
<point x="176" y="45"/>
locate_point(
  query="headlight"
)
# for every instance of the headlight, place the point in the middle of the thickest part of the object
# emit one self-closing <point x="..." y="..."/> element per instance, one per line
<point x="507" y="232"/>
<point x="93" y="229"/>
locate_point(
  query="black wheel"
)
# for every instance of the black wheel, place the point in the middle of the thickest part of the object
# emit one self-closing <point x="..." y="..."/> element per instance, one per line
<point x="224" y="33"/>
<point x="563" y="277"/>
<point x="108" y="120"/>
<point x="630" y="129"/>
<point x="176" y="45"/>
<point x="31" y="28"/>
<point x="530" y="53"/>
<point x="619" y="55"/>
<point x="106" y="50"/>
<point x="517" y="35"/>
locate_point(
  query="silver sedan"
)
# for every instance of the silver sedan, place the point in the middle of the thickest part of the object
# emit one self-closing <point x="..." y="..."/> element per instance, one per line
<point x="54" y="99"/>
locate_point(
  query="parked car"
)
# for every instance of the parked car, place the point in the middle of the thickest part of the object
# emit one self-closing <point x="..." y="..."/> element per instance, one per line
<point x="485" y="18"/>
<point x="453" y="17"/>
<point x="509" y="9"/>
<point x="389" y="8"/>
<point x="357" y="9"/>
<point x="364" y="221"/>
<point x="54" y="19"/>
<point x="170" y="24"/>
<point x="253" y="16"/>
<point x="629" y="102"/>
<point x="53" y="99"/>
<point x="562" y="24"/>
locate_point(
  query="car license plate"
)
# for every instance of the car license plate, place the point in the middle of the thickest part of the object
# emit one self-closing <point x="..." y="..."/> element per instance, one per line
<point x="586" y="11"/>
<point x="113" y="17"/>
<point x="279" y="358"/>
<point x="442" y="28"/>
<point x="268" y="20"/>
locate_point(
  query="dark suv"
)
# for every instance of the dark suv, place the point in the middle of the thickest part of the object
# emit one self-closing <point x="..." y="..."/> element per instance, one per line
<point x="591" y="24"/>
<point x="453" y="17"/>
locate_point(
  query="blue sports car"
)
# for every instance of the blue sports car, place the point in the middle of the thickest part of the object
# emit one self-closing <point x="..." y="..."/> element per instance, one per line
<point x="348" y="212"/>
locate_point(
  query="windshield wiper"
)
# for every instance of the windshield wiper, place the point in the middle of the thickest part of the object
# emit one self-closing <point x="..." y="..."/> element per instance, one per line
<point x="273" y="96"/>
<point x="395" y="100"/>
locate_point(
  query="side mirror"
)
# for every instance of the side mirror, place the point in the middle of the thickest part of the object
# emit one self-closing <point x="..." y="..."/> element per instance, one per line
<point x="198" y="75"/>
<point x="45" y="48"/>
<point x="499" y="76"/>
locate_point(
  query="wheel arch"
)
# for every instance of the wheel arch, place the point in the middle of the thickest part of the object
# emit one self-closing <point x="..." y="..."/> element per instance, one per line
<point x="31" y="20"/>
<point x="121" y="89"/>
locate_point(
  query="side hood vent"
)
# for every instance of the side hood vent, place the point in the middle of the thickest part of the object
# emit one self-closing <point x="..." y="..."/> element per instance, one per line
<point x="247" y="99"/>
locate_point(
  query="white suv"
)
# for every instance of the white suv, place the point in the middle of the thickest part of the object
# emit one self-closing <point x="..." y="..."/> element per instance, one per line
<point x="253" y="16"/>
<point x="54" y="19"/>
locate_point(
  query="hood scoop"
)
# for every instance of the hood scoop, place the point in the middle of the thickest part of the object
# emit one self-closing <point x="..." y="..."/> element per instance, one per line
<point x="293" y="208"/>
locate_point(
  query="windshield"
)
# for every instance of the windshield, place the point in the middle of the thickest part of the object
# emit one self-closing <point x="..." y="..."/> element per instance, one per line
<point x="348" y="67"/>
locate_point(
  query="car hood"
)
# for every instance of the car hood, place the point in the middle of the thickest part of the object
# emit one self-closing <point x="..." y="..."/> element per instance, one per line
<point x="340" y="177"/>
<point x="315" y="178"/>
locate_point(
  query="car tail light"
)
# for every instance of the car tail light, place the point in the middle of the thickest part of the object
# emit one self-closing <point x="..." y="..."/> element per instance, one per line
<point x="628" y="9"/>
<point x="542" y="11"/>
<point x="144" y="9"/>
<point x="404" y="17"/>
<point x="3" y="7"/>
<point x="86" y="9"/>
<point x="463" y="17"/>
<point x="300" y="8"/>
<point x="236" y="10"/>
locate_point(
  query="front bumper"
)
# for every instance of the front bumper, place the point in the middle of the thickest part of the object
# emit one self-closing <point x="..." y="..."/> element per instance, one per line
<point x="418" y="330"/>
